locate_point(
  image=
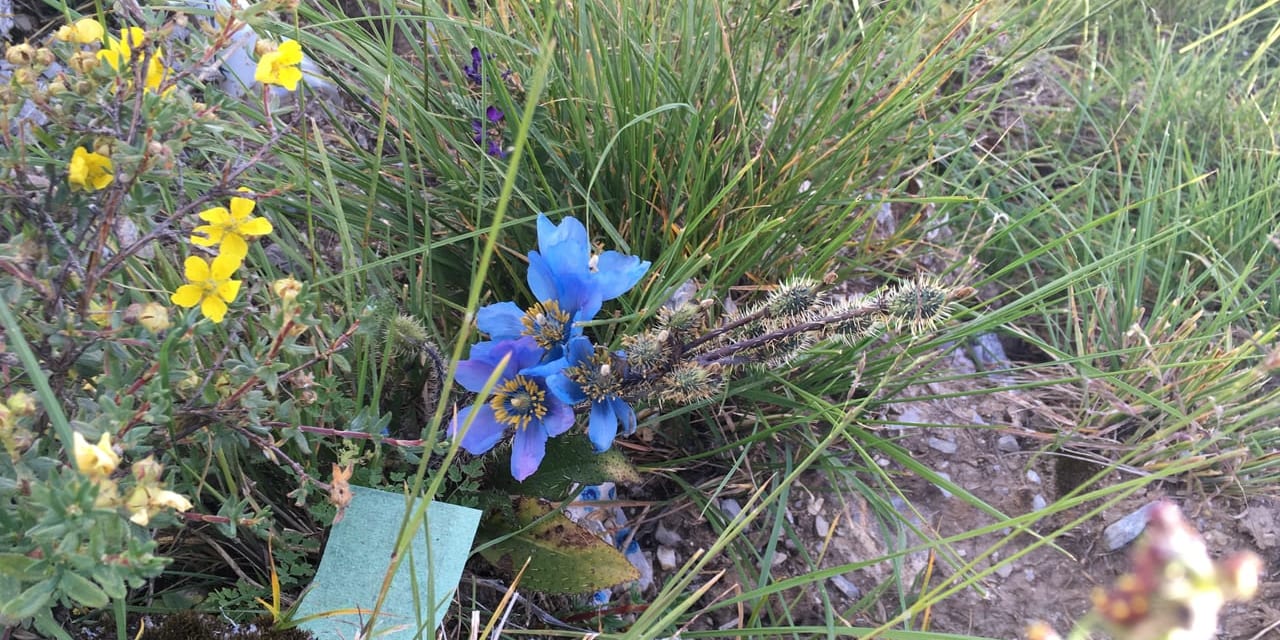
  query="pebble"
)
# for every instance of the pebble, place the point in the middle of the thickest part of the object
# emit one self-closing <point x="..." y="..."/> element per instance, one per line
<point x="947" y="477"/>
<point x="1033" y="476"/>
<point x="849" y="589"/>
<point x="667" y="537"/>
<point x="780" y="557"/>
<point x="667" y="558"/>
<point x="1038" y="503"/>
<point x="1004" y="570"/>
<point x="944" y="446"/>
<point x="1029" y="574"/>
<point x="821" y="526"/>
<point x="1124" y="530"/>
<point x="1008" y="444"/>
<point x="730" y="507"/>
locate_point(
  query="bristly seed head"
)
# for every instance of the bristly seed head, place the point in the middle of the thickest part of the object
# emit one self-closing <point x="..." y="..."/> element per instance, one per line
<point x="684" y="320"/>
<point x="853" y="330"/>
<point x="644" y="352"/>
<point x="795" y="298"/>
<point x="689" y="383"/>
<point x="919" y="305"/>
<point x="405" y="335"/>
<point x="546" y="323"/>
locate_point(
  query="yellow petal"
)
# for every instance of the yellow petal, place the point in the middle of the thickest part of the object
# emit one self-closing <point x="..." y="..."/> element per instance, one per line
<point x="213" y="308"/>
<point x="241" y="208"/>
<point x="197" y="270"/>
<point x="216" y="215"/>
<point x="225" y="265"/>
<point x="289" y="78"/>
<point x="175" y="501"/>
<point x="187" y="296"/>
<point x="212" y="235"/>
<point x="228" y="290"/>
<point x="265" y="73"/>
<point x="132" y="38"/>
<point x="233" y="246"/>
<point x="88" y="30"/>
<point x="290" y="52"/>
<point x="255" y="227"/>
<point x="78" y="174"/>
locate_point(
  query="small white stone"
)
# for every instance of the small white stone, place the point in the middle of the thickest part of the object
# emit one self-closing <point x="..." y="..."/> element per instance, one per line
<point x="1124" y="530"/>
<point x="1029" y="574"/>
<point x="849" y="589"/>
<point x="667" y="558"/>
<point x="947" y="477"/>
<point x="1033" y="476"/>
<point x="1008" y="444"/>
<point x="780" y="557"/>
<point x="1004" y="570"/>
<point x="821" y="526"/>
<point x="730" y="507"/>
<point x="1038" y="502"/>
<point x="944" y="446"/>
<point x="666" y="536"/>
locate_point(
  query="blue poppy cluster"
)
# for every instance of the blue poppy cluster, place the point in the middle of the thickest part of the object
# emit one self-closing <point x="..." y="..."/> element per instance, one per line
<point x="545" y="365"/>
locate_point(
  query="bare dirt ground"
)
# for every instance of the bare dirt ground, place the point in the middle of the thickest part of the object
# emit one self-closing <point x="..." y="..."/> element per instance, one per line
<point x="1006" y="467"/>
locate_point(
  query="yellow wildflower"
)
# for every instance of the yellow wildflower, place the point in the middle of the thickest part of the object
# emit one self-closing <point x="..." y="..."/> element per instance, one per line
<point x="118" y="51"/>
<point x="231" y="229"/>
<point x="287" y="288"/>
<point x="144" y="502"/>
<point x="280" y="67"/>
<point x="210" y="286"/>
<point x="89" y="171"/>
<point x="97" y="461"/>
<point x="82" y="31"/>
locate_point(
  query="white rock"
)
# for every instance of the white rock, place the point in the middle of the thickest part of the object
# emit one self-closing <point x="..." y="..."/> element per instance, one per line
<point x="730" y="507"/>
<point x="1033" y="476"/>
<point x="1124" y="530"/>
<point x="667" y="537"/>
<point x="1038" y="502"/>
<point x="821" y="526"/>
<point x="944" y="446"/>
<point x="1008" y="444"/>
<point x="667" y="558"/>
<point x="849" y="589"/>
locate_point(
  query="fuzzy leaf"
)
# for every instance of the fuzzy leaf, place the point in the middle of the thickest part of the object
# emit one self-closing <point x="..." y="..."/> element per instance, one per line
<point x="16" y="564"/>
<point x="563" y="557"/>
<point x="570" y="459"/>
<point x="28" y="603"/>
<point x="83" y="590"/>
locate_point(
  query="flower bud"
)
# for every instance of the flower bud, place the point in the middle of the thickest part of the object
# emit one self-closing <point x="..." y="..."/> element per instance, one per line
<point x="20" y="55"/>
<point x="262" y="47"/>
<point x="45" y="57"/>
<point x="82" y="31"/>
<point x="154" y="317"/>
<point x="83" y="62"/>
<point x="147" y="470"/>
<point x="56" y="87"/>
<point x="25" y="76"/>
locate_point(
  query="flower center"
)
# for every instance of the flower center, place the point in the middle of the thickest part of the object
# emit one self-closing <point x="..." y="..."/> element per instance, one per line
<point x="596" y="377"/>
<point x="546" y="323"/>
<point x="518" y="402"/>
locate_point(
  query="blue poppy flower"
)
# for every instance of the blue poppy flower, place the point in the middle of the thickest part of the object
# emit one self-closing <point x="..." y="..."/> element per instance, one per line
<point x="588" y="375"/>
<point x="519" y="400"/>
<point x="570" y="284"/>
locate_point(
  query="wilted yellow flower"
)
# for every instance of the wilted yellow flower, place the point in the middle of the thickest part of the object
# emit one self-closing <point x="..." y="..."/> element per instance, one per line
<point x="144" y="502"/>
<point x="21" y="403"/>
<point x="97" y="461"/>
<point x="89" y="171"/>
<point x="153" y="316"/>
<point x="82" y="31"/>
<point x="210" y="286"/>
<point x="280" y="67"/>
<point x="231" y="229"/>
<point x="287" y="289"/>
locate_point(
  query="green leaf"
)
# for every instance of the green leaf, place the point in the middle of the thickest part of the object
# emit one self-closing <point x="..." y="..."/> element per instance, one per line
<point x="16" y="564"/>
<point x="28" y="603"/>
<point x="570" y="459"/>
<point x="83" y="590"/>
<point x="563" y="557"/>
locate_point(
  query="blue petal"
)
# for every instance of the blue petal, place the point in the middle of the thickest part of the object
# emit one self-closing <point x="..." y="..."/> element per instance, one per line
<point x="473" y="374"/>
<point x="603" y="427"/>
<point x="559" y="418"/>
<point x="616" y="273"/>
<point x="542" y="280"/>
<point x="565" y="247"/>
<point x="580" y="351"/>
<point x="555" y="364"/>
<point x="485" y="431"/>
<point x="525" y="353"/>
<point x="565" y="389"/>
<point x="626" y="415"/>
<point x="527" y="451"/>
<point x="501" y="320"/>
